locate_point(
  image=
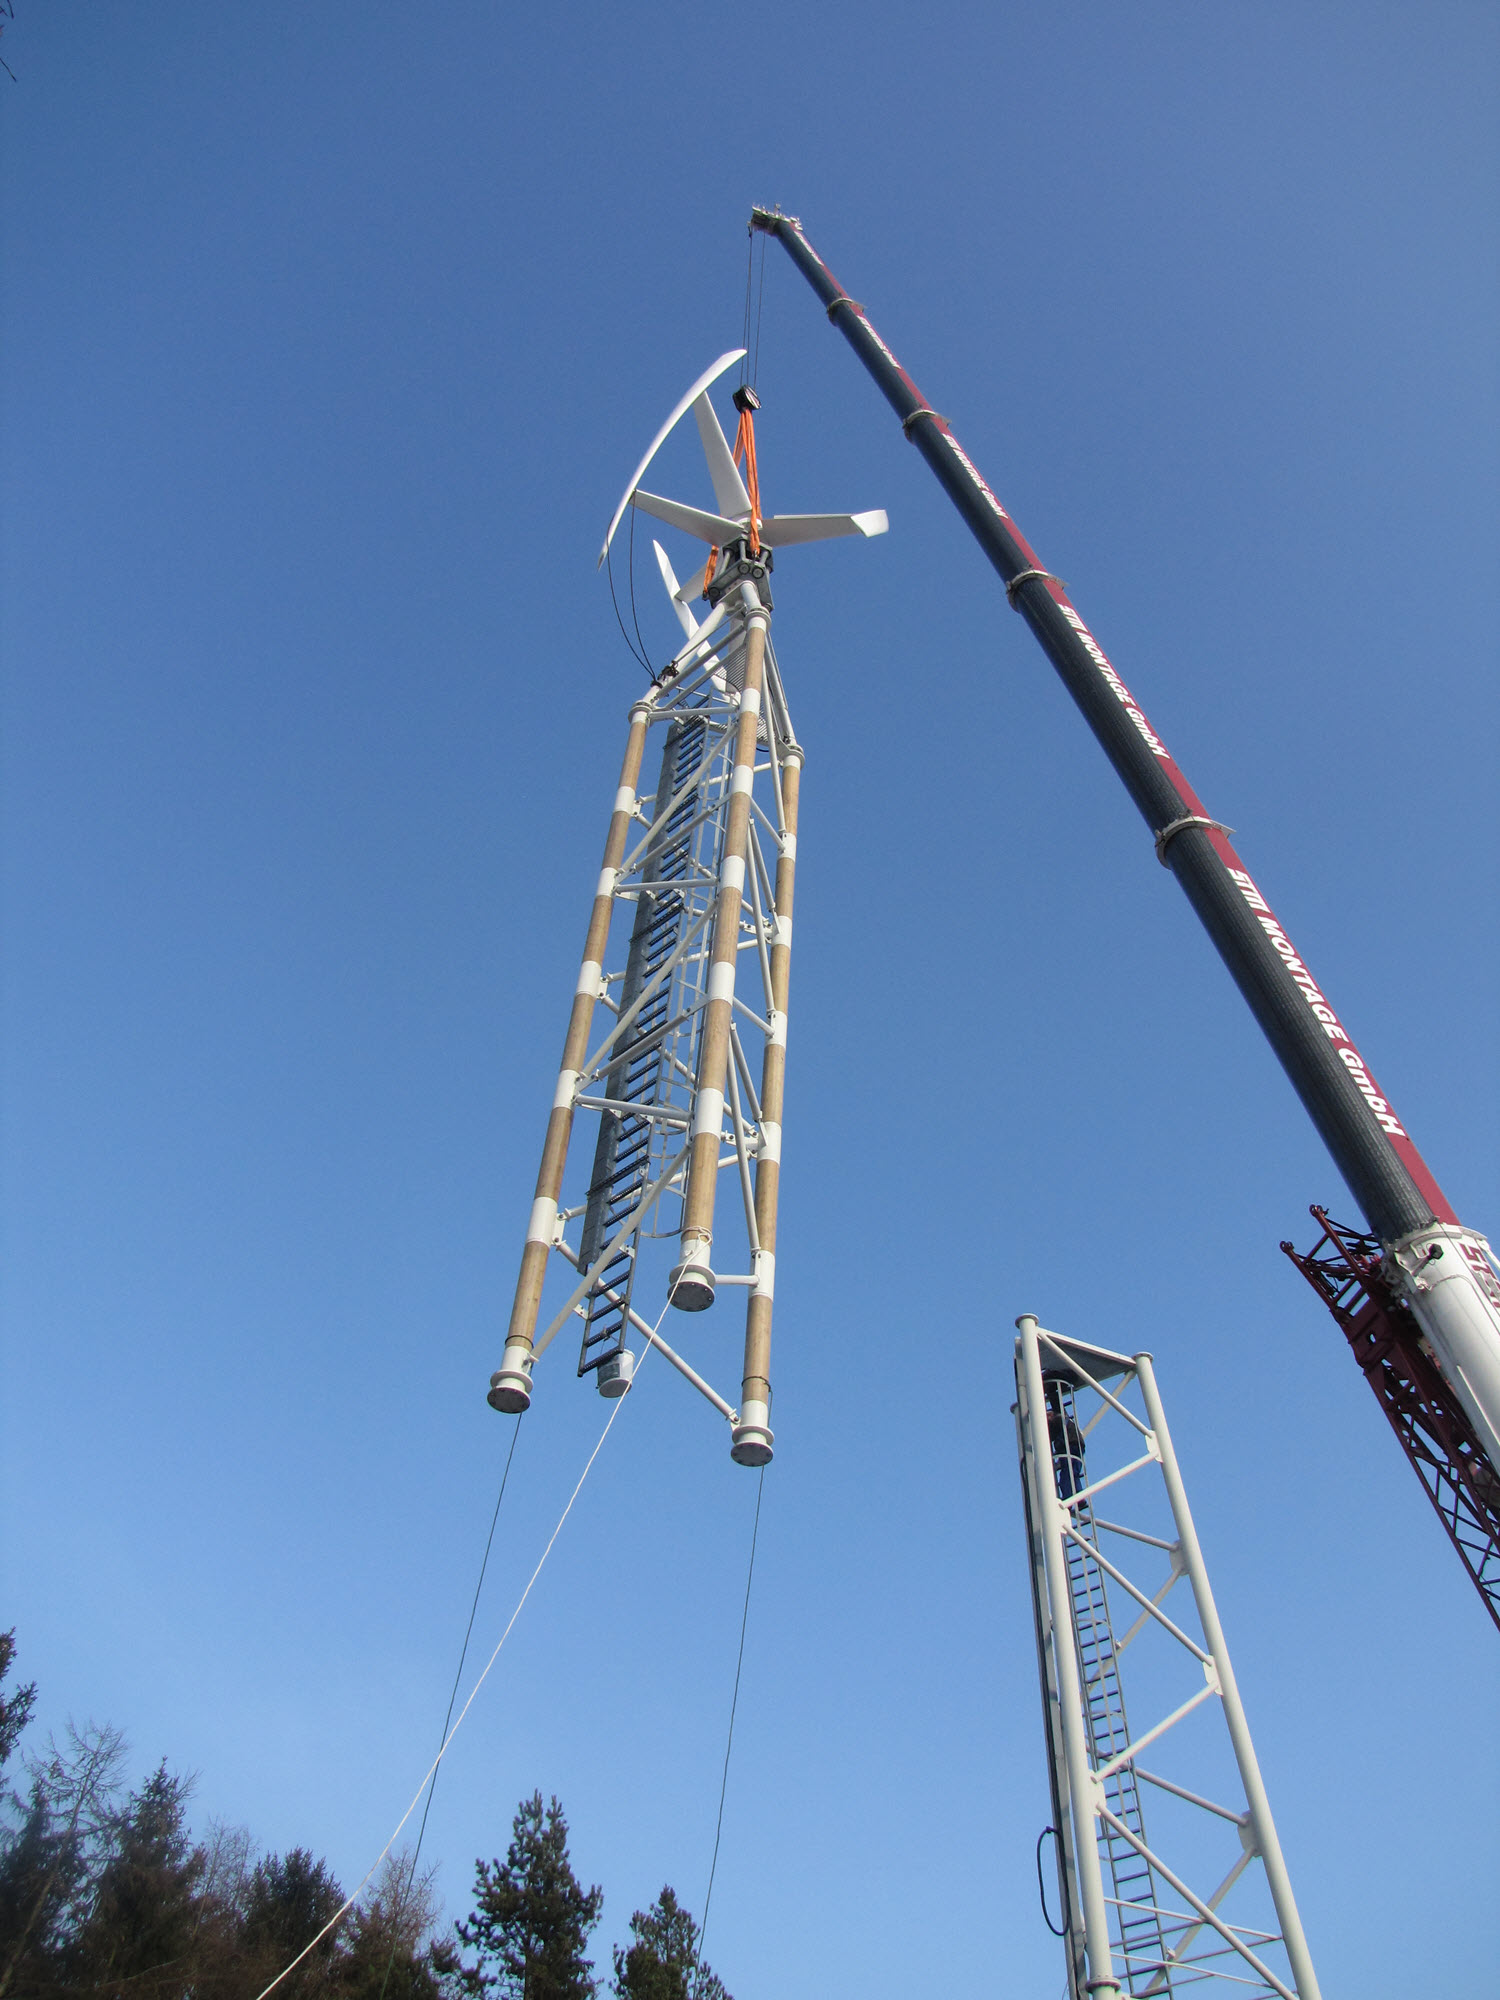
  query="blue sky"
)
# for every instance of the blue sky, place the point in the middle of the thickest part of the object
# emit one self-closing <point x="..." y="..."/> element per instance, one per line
<point x="330" y="339"/>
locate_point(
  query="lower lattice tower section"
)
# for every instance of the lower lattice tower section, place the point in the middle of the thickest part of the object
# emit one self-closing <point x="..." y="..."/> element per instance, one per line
<point x="1139" y="1696"/>
<point x="1143" y="1950"/>
<point x="645" y="1069"/>
<point x="687" y="956"/>
<point x="676" y="1039"/>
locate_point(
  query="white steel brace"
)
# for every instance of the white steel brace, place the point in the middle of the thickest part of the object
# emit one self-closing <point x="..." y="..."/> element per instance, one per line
<point x="1132" y="1921"/>
<point x="679" y="1052"/>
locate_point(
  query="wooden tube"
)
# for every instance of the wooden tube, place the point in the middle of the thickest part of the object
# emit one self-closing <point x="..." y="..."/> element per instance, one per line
<point x="692" y="1281"/>
<point x="510" y="1385"/>
<point x="752" y="1434"/>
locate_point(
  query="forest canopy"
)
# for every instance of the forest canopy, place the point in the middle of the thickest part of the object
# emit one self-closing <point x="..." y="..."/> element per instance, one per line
<point x="107" y="1891"/>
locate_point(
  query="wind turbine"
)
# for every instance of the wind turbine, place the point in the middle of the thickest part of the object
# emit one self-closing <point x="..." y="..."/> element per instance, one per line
<point x="672" y="1076"/>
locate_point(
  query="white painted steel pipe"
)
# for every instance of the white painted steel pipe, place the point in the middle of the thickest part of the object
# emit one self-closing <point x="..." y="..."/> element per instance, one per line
<point x="1063" y="1830"/>
<point x="692" y="1280"/>
<point x="753" y="1438"/>
<point x="684" y="1368"/>
<point x="1083" y="1788"/>
<point x="510" y="1385"/>
<point x="1262" y="1825"/>
<point x="1446" y="1279"/>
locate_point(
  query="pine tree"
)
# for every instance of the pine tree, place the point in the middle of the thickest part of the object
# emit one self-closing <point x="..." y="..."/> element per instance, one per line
<point x="110" y="1897"/>
<point x="16" y="1707"/>
<point x="532" y="1918"/>
<point x="662" y="1961"/>
<point x="51" y="1862"/>
<point x="288" y="1900"/>
<point x="140" y="1932"/>
<point x="385" y="1951"/>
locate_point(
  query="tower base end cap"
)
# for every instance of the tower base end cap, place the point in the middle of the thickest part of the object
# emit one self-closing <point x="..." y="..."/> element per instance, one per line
<point x="691" y="1287"/>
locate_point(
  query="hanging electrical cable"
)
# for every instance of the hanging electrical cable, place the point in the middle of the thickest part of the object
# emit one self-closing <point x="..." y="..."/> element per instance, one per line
<point x="634" y="614"/>
<point x="638" y="654"/>
<point x="1041" y="1885"/>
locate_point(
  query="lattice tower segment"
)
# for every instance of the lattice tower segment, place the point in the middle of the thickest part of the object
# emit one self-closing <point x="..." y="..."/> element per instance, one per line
<point x="1202" y="1894"/>
<point x="677" y="1034"/>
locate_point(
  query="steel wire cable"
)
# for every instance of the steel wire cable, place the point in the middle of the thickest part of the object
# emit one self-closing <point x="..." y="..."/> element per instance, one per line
<point x="745" y="322"/>
<point x="760" y="303"/>
<point x="349" y="1901"/>
<point x="411" y="1873"/>
<point x="729" y="1745"/>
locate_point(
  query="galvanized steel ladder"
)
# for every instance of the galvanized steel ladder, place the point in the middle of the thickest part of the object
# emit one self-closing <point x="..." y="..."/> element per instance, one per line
<point x="1141" y="1943"/>
<point x="642" y="1073"/>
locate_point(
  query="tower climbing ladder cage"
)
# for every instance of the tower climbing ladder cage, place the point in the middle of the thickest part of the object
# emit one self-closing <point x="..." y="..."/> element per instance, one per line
<point x="1169" y="1870"/>
<point x="687" y="956"/>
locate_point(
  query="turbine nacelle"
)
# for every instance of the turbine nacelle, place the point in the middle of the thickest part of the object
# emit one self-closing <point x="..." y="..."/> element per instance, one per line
<point x="730" y="522"/>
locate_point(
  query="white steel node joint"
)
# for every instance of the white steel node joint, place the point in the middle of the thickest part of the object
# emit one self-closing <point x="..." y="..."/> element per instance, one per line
<point x="510" y="1385"/>
<point x="691" y="1285"/>
<point x="752" y="1438"/>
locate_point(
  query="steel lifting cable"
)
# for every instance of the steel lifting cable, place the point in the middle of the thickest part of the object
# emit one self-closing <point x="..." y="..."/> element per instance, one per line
<point x="760" y="302"/>
<point x="756" y="296"/>
<point x="744" y="442"/>
<point x="745" y="317"/>
<point x="744" y="437"/>
<point x="729" y="1745"/>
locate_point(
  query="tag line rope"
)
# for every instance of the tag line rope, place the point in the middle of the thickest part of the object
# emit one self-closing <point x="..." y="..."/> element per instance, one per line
<point x="349" y="1901"/>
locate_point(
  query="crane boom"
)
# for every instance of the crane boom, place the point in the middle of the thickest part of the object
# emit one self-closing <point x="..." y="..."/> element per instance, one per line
<point x="1438" y="1268"/>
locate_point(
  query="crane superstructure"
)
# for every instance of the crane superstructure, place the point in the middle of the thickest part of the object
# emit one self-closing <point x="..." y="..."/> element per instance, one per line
<point x="1415" y="1291"/>
<point x="687" y="1074"/>
<point x="687" y="956"/>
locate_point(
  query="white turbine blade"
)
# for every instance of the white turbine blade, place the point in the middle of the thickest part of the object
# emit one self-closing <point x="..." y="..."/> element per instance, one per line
<point x="685" y="617"/>
<point x="664" y="564"/>
<point x="693" y="587"/>
<point x="710" y="624"/>
<point x="710" y="375"/>
<point x="707" y="527"/>
<point x="782" y="530"/>
<point x="729" y="488"/>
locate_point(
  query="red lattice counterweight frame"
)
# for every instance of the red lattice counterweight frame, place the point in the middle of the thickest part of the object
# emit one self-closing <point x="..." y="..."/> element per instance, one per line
<point x="1344" y="1269"/>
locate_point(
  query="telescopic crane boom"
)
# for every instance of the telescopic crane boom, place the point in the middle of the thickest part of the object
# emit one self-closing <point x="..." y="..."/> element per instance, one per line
<point x="1421" y="1304"/>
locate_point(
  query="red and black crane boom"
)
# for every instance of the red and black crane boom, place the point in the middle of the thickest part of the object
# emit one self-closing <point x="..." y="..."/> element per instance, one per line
<point x="1416" y="1293"/>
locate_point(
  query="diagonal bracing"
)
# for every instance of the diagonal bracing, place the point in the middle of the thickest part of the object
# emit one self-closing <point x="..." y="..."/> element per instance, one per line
<point x="686" y="964"/>
<point x="1202" y="1893"/>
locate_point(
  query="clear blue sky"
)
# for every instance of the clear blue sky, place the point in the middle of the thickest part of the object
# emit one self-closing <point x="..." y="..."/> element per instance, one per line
<point x="330" y="338"/>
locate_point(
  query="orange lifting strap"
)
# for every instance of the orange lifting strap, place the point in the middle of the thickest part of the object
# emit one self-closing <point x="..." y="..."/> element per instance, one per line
<point x="744" y="445"/>
<point x="744" y="449"/>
